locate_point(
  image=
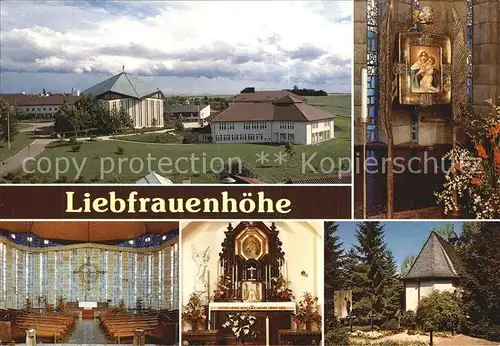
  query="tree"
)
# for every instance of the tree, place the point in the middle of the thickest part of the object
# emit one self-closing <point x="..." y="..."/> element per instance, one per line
<point x="289" y="149"/>
<point x="440" y="311"/>
<point x="9" y="120"/>
<point x="241" y="168"/>
<point x="378" y="288"/>
<point x="178" y="125"/>
<point x="334" y="271"/>
<point x="447" y="231"/>
<point x="480" y="294"/>
<point x="406" y="265"/>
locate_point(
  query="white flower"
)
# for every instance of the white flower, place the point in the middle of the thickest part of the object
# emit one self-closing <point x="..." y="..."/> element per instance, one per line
<point x="246" y="331"/>
<point x="234" y="329"/>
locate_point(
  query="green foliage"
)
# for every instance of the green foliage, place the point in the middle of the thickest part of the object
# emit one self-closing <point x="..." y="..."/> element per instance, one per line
<point x="439" y="311"/>
<point x="241" y="168"/>
<point x="76" y="147"/>
<point x="119" y="150"/>
<point x="84" y="116"/>
<point x="10" y="117"/>
<point x="334" y="258"/>
<point x="480" y="293"/>
<point x="178" y="125"/>
<point x="335" y="334"/>
<point x="447" y="231"/>
<point x="377" y="290"/>
<point x="408" y="320"/>
<point x="406" y="265"/>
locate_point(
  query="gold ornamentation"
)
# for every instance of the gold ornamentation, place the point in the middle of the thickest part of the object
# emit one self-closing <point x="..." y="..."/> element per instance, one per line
<point x="88" y="273"/>
<point x="426" y="100"/>
<point x="426" y="38"/>
<point x="399" y="68"/>
<point x="424" y="16"/>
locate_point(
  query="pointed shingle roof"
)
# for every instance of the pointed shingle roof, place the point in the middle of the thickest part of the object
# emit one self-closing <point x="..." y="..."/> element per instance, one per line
<point x="123" y="84"/>
<point x="437" y="259"/>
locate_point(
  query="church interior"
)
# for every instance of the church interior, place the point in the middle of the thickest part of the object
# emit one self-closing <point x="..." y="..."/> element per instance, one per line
<point x="255" y="283"/>
<point x="89" y="282"/>
<point x="418" y="125"/>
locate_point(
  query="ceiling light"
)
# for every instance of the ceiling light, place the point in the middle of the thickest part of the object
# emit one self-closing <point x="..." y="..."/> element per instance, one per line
<point x="131" y="242"/>
<point x="13" y="236"/>
<point x="164" y="237"/>
<point x="30" y="239"/>
<point x="46" y="242"/>
<point x="148" y="239"/>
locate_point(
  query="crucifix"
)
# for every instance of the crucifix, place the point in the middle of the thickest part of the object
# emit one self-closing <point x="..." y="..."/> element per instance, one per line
<point x="88" y="273"/>
<point x="251" y="270"/>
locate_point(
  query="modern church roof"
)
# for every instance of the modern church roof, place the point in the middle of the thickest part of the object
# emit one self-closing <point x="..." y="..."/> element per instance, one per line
<point x="123" y="84"/>
<point x="437" y="259"/>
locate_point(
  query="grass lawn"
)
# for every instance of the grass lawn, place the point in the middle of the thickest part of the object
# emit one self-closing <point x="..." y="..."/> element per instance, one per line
<point x="187" y="161"/>
<point x="20" y="142"/>
<point x="152" y="138"/>
<point x="126" y="168"/>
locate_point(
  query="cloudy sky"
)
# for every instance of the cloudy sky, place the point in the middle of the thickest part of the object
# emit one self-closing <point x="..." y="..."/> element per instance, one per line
<point x="181" y="47"/>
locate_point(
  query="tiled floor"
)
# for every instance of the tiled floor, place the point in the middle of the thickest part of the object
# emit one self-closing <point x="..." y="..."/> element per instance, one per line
<point x="87" y="332"/>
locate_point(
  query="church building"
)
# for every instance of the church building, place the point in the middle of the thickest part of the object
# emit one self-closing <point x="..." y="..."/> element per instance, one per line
<point x="271" y="117"/>
<point x="89" y="282"/>
<point x="143" y="102"/>
<point x="252" y="282"/>
<point x="437" y="267"/>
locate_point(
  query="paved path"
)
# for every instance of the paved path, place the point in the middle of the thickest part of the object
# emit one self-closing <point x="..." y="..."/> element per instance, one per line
<point x="464" y="340"/>
<point x="38" y="145"/>
<point x="46" y="127"/>
<point x="15" y="161"/>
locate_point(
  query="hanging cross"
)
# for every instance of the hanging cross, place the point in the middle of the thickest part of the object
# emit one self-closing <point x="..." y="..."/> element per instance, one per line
<point x="251" y="269"/>
<point x="88" y="273"/>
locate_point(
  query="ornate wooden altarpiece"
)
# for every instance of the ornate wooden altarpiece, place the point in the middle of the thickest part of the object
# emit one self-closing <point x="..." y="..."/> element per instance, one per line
<point x="251" y="256"/>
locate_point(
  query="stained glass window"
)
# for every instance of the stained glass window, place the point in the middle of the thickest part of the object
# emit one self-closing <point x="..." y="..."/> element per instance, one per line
<point x="372" y="67"/>
<point x="469" y="50"/>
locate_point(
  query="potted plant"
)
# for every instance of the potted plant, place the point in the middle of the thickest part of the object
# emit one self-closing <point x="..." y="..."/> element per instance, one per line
<point x="242" y="326"/>
<point x="61" y="303"/>
<point x="223" y="288"/>
<point x="280" y="290"/>
<point x="28" y="306"/>
<point x="194" y="312"/>
<point x="308" y="311"/>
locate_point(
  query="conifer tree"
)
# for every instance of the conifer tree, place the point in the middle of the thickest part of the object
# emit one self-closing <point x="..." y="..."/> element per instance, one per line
<point x="481" y="284"/>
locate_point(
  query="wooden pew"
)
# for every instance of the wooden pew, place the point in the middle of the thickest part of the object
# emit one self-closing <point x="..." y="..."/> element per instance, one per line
<point x="48" y="326"/>
<point x="118" y="326"/>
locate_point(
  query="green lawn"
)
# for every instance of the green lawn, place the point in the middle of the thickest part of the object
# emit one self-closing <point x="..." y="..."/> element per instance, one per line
<point x="20" y="141"/>
<point x="126" y="167"/>
<point x="151" y="138"/>
<point x="104" y="154"/>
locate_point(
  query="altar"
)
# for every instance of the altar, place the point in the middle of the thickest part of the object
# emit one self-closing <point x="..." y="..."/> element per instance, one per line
<point x="252" y="299"/>
<point x="87" y="310"/>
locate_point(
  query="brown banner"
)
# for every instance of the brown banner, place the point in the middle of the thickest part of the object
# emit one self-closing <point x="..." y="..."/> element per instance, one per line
<point x="174" y="202"/>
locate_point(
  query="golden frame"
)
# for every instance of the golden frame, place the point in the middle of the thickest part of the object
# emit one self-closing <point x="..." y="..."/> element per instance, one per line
<point x="425" y="78"/>
<point x="251" y="244"/>
<point x="252" y="291"/>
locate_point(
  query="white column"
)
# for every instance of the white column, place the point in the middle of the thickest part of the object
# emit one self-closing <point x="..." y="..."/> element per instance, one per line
<point x="267" y="331"/>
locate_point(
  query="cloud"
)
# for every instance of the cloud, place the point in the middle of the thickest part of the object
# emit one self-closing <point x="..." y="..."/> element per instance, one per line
<point x="222" y="46"/>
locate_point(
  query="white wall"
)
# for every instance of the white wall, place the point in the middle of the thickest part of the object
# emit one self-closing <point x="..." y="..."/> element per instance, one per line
<point x="426" y="288"/>
<point x="302" y="132"/>
<point x="142" y="111"/>
<point x="302" y="244"/>
<point x="44" y="111"/>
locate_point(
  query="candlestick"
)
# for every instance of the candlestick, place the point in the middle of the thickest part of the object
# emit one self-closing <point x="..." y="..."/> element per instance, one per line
<point x="267" y="331"/>
<point x="364" y="94"/>
<point x="286" y="270"/>
<point x="208" y="285"/>
<point x="234" y="281"/>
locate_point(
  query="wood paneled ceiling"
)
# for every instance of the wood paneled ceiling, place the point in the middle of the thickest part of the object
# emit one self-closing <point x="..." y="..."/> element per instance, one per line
<point x="91" y="231"/>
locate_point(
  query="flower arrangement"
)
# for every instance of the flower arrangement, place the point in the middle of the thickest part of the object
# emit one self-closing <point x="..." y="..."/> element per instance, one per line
<point x="194" y="312"/>
<point x="280" y="290"/>
<point x="474" y="175"/>
<point x="308" y="311"/>
<point x="61" y="303"/>
<point x="223" y="288"/>
<point x="242" y="326"/>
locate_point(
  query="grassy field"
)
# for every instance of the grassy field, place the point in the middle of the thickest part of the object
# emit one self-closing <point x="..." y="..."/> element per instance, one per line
<point x="104" y="161"/>
<point x="19" y="143"/>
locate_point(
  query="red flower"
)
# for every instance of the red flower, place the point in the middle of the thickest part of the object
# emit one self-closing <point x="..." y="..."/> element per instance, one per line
<point x="495" y="130"/>
<point x="477" y="181"/>
<point x="481" y="151"/>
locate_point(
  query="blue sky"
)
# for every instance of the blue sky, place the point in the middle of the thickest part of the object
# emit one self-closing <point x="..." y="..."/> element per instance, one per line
<point x="181" y="47"/>
<point x="402" y="237"/>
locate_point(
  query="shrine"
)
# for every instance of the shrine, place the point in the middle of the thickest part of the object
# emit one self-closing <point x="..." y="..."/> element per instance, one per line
<point x="256" y="290"/>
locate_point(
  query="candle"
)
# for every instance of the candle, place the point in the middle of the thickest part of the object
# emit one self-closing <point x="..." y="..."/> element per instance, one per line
<point x="364" y="94"/>
<point x="234" y="281"/>
<point x="267" y="331"/>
